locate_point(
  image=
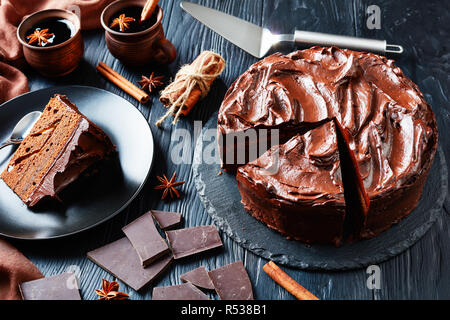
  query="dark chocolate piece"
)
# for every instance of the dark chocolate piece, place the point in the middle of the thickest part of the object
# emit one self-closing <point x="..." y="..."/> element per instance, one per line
<point x="120" y="259"/>
<point x="60" y="287"/>
<point x="190" y="241"/>
<point x="232" y="282"/>
<point x="198" y="277"/>
<point x="146" y="239"/>
<point x="185" y="291"/>
<point x="166" y="220"/>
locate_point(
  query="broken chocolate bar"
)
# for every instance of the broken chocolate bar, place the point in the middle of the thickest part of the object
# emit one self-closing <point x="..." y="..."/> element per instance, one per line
<point x="198" y="277"/>
<point x="190" y="241"/>
<point x="185" y="291"/>
<point x="166" y="220"/>
<point x="120" y="259"/>
<point x="232" y="282"/>
<point x="146" y="239"/>
<point x="60" y="287"/>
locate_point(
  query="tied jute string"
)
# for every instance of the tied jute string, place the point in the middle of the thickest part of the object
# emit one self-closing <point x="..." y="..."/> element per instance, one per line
<point x="192" y="82"/>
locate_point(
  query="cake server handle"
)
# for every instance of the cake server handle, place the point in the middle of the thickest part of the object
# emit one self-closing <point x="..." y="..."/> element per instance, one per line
<point x="10" y="142"/>
<point x="363" y="44"/>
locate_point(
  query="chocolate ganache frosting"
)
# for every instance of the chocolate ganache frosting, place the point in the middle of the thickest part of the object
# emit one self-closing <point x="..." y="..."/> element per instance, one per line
<point x="385" y="133"/>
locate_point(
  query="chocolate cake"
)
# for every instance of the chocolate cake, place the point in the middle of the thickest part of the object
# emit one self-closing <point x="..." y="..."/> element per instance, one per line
<point x="61" y="145"/>
<point x="384" y="131"/>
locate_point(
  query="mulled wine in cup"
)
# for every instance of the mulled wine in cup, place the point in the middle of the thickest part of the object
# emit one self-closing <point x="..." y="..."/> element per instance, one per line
<point x="132" y="40"/>
<point x="52" y="42"/>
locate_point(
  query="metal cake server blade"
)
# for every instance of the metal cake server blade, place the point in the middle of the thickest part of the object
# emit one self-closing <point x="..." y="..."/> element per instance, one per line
<point x="22" y="129"/>
<point x="258" y="41"/>
<point x="243" y="34"/>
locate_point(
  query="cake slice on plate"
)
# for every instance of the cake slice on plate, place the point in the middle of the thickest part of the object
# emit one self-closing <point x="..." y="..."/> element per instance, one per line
<point x="61" y="145"/>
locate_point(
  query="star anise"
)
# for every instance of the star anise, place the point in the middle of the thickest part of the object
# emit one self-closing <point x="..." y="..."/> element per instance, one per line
<point x="110" y="291"/>
<point x="169" y="186"/>
<point x="152" y="82"/>
<point x="39" y="35"/>
<point x="123" y="22"/>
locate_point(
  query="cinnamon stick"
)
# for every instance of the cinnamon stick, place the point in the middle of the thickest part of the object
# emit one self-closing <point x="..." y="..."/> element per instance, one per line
<point x="192" y="83"/>
<point x="280" y="277"/>
<point x="149" y="7"/>
<point x="122" y="83"/>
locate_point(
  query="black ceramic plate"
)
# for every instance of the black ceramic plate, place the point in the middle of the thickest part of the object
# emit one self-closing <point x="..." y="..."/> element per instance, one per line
<point x="94" y="199"/>
<point x="222" y="200"/>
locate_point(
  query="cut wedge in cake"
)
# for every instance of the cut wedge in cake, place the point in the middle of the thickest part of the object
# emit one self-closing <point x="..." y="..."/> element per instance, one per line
<point x="356" y="197"/>
<point x="61" y="145"/>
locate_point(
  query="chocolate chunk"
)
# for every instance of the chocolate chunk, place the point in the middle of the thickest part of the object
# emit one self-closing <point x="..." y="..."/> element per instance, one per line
<point x="120" y="259"/>
<point x="190" y="241"/>
<point x="60" y="287"/>
<point x="232" y="282"/>
<point x="146" y="239"/>
<point x="185" y="291"/>
<point x="166" y="220"/>
<point x="198" y="277"/>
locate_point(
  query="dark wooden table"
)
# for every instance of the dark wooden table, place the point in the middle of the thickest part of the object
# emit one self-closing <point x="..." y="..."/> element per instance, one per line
<point x="423" y="28"/>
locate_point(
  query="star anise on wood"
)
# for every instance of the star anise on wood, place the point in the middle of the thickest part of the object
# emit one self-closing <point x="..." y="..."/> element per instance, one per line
<point x="123" y="22"/>
<point x="151" y="83"/>
<point x="40" y="36"/>
<point x="110" y="291"/>
<point x="169" y="186"/>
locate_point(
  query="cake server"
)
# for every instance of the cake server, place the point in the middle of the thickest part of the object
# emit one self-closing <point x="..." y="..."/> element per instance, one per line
<point x="22" y="128"/>
<point x="258" y="41"/>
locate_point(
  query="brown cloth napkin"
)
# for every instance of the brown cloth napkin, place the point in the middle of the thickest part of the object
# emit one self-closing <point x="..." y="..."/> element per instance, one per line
<point x="14" y="269"/>
<point x="13" y="81"/>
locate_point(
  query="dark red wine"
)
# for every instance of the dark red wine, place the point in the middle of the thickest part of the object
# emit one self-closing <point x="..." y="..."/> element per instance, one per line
<point x="131" y="25"/>
<point x="59" y="31"/>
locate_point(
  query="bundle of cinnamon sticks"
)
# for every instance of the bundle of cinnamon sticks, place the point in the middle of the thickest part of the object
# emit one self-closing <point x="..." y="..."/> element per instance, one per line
<point x="192" y="83"/>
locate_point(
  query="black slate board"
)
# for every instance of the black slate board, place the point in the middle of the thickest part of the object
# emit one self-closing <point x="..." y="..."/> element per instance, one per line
<point x="221" y="198"/>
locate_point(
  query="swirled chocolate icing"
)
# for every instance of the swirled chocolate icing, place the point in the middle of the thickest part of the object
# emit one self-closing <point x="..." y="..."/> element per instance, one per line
<point x="313" y="159"/>
<point x="389" y="127"/>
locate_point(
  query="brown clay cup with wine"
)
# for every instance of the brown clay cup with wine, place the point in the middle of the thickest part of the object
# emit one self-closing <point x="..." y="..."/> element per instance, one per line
<point x="60" y="53"/>
<point x="137" y="46"/>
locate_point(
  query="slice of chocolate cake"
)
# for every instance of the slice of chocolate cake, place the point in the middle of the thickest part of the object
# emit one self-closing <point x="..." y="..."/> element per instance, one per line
<point x="303" y="196"/>
<point x="62" y="144"/>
